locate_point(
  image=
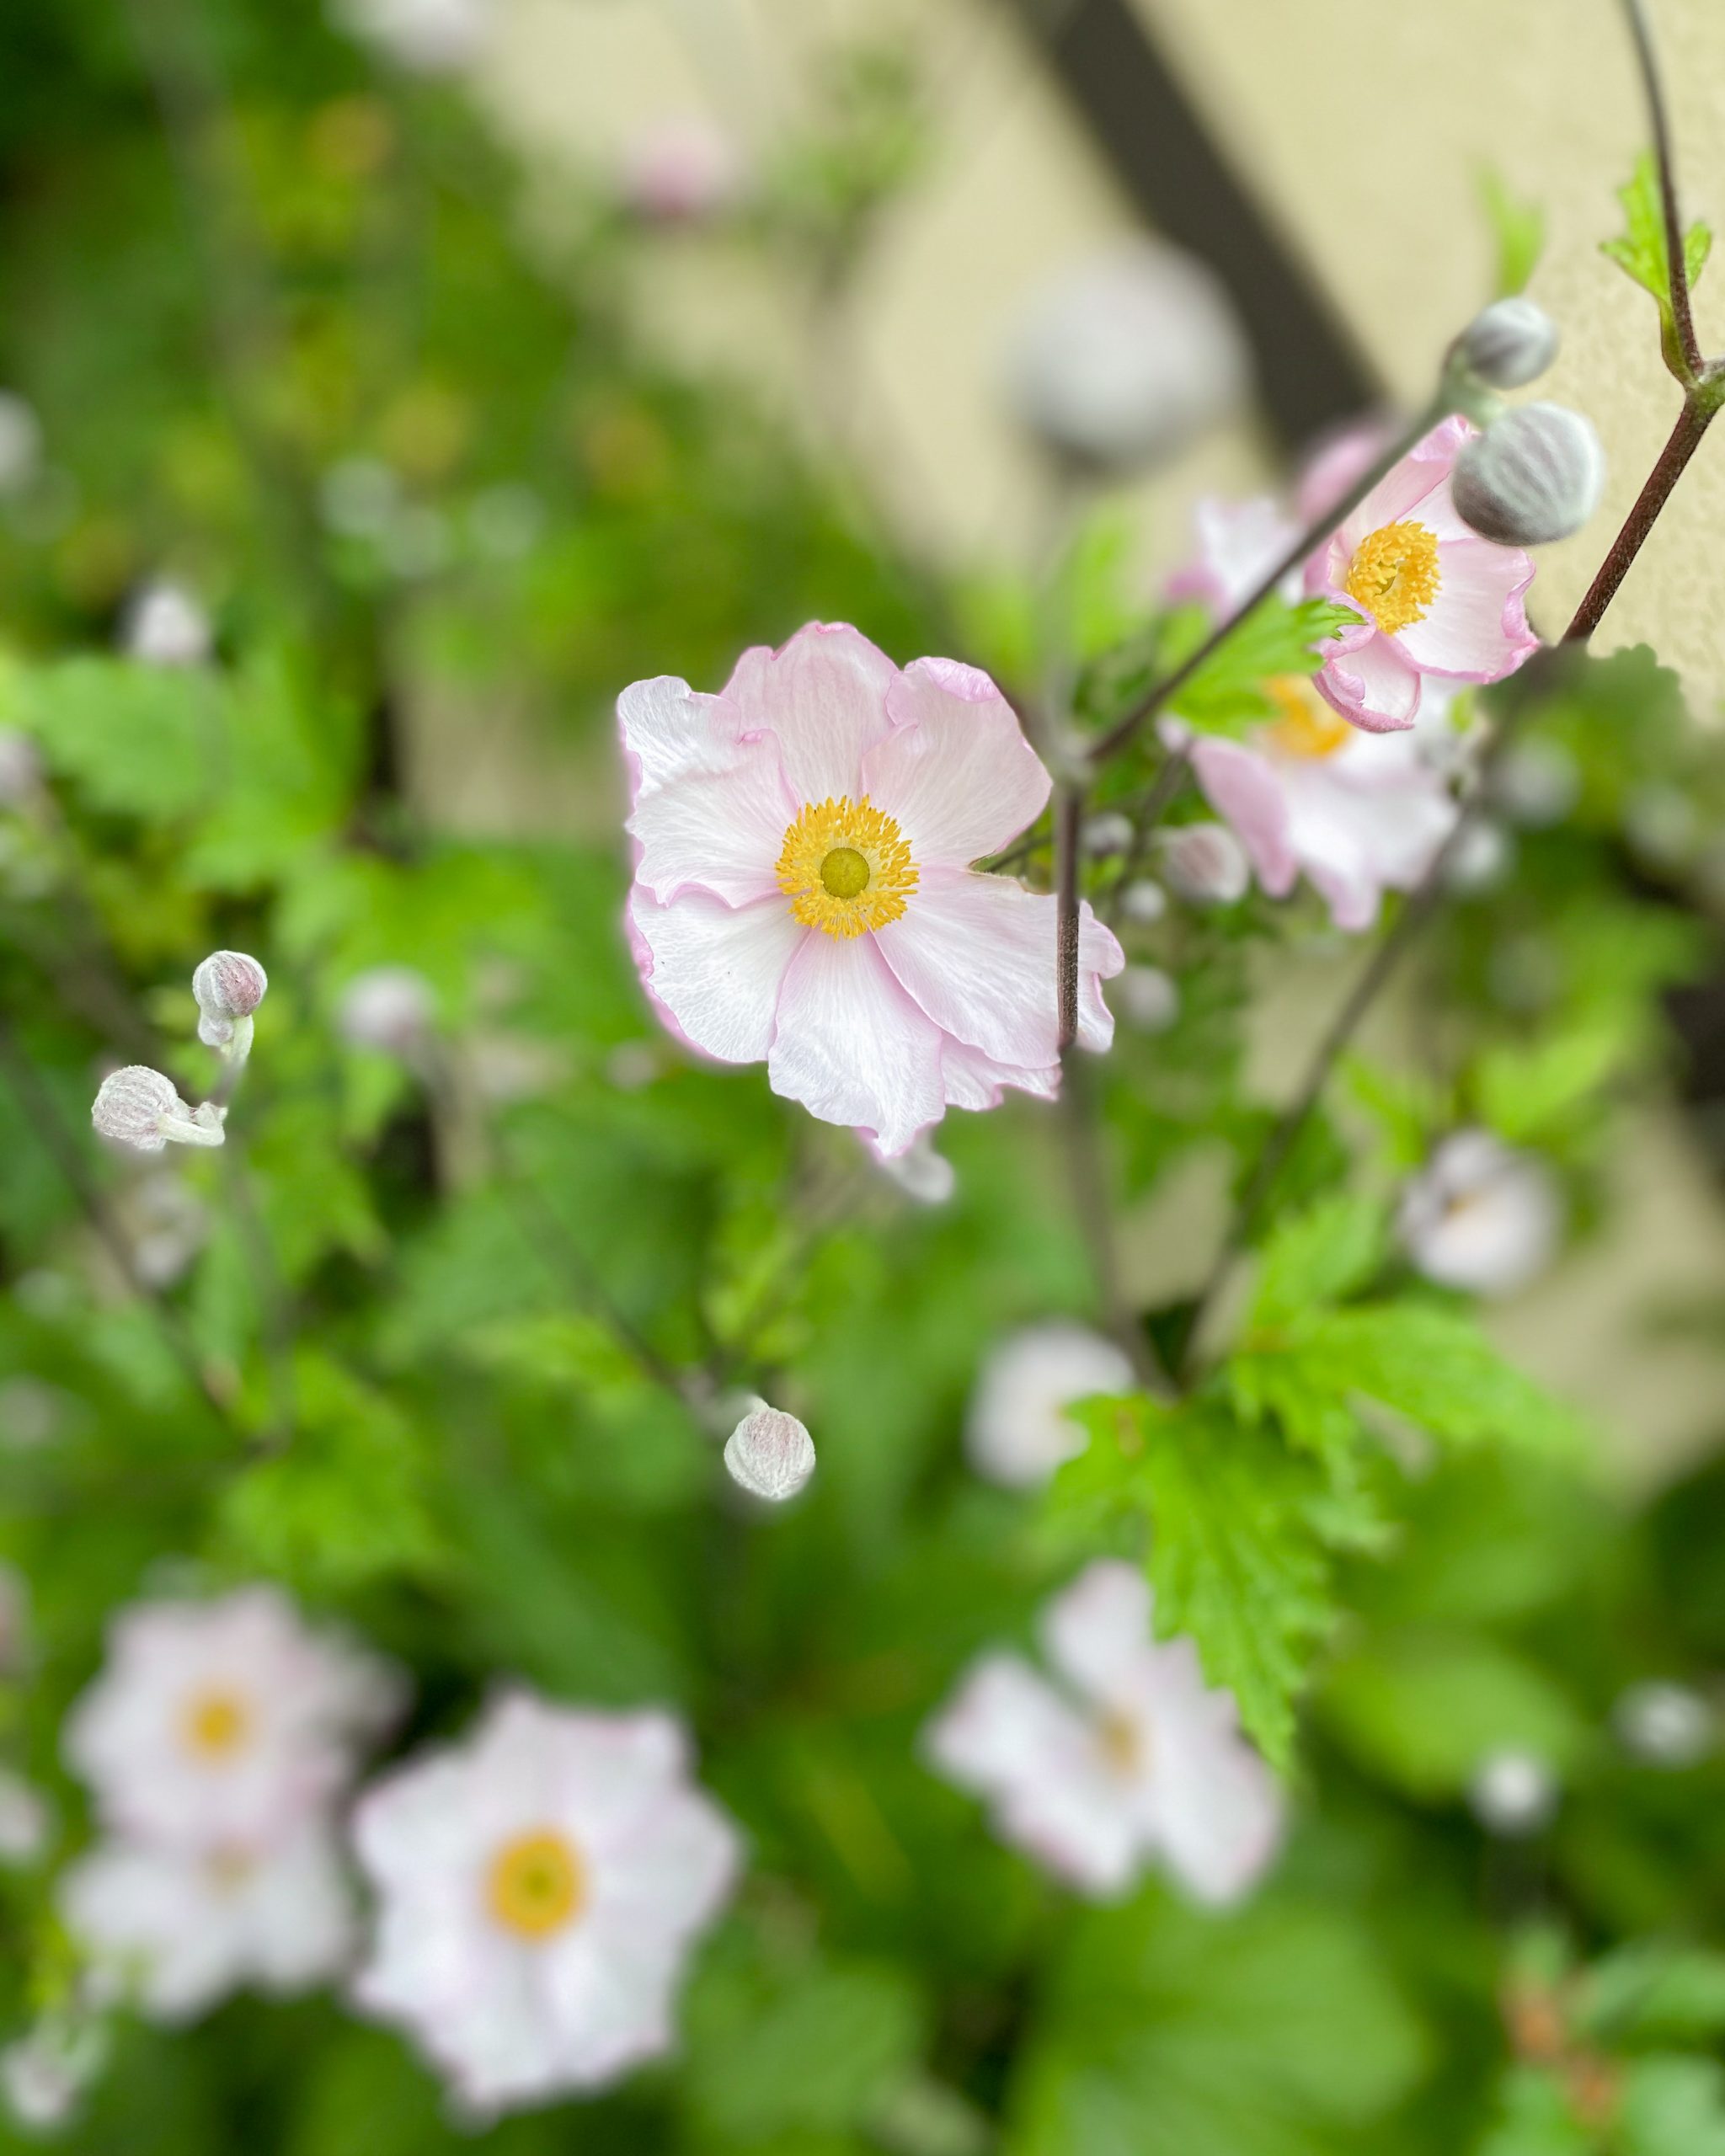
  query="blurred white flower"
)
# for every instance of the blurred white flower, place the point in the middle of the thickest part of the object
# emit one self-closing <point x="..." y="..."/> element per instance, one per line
<point x="1132" y="1760"/>
<point x="921" y="1173"/>
<point x="389" y="1009"/>
<point x="25" y="1821"/>
<point x="222" y="1724"/>
<point x="428" y="37"/>
<point x="20" y="443"/>
<point x="539" y="1887"/>
<point x="164" y="625"/>
<point x="1664" y="1724"/>
<point x="1107" y="832"/>
<point x="1480" y="857"/>
<point x="681" y="170"/>
<point x="180" y="1928"/>
<point x="1480" y="1215"/>
<point x="167" y="1223"/>
<point x="138" y="1106"/>
<point x="1125" y="361"/>
<point x="1016" y="1432"/>
<point x="770" y="1453"/>
<point x="1513" y="1793"/>
<point x="1144" y="902"/>
<point x="20" y="768"/>
<point x="1536" y="782"/>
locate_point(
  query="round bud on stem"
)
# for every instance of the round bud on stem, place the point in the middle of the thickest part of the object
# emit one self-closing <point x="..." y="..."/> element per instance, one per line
<point x="1535" y="475"/>
<point x="1511" y="343"/>
<point x="228" y="985"/>
<point x="1205" y="863"/>
<point x="139" y="1107"/>
<point x="770" y="1454"/>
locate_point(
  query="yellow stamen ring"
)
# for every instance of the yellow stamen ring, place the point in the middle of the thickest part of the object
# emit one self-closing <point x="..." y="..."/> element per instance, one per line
<point x="216" y="1724"/>
<point x="535" y="1885"/>
<point x="1307" y="727"/>
<point x="1394" y="575"/>
<point x="846" y="867"/>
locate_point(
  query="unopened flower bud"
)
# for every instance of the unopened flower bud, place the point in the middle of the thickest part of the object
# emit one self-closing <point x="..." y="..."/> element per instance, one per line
<point x="1666" y="1725"/>
<point x="43" y="2081"/>
<point x="1512" y="342"/>
<point x="922" y="1173"/>
<point x="20" y="768"/>
<point x="1124" y="361"/>
<point x="770" y="1454"/>
<point x="166" y="627"/>
<point x="139" y="1107"/>
<point x="228" y="985"/>
<point x="1205" y="863"/>
<point x="1144" y="902"/>
<point x="1108" y="832"/>
<point x="1513" y="1793"/>
<point x="1148" y="998"/>
<point x="389" y="1009"/>
<point x="1535" y="475"/>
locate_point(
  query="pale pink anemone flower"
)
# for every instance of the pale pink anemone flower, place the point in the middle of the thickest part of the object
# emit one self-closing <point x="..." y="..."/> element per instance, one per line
<point x="541" y="1887"/>
<point x="1480" y="1215"/>
<point x="804" y="891"/>
<point x="1132" y="1760"/>
<point x="1356" y="813"/>
<point x="1239" y="543"/>
<point x="1435" y="598"/>
<point x="222" y="1724"/>
<point x="181" y="1928"/>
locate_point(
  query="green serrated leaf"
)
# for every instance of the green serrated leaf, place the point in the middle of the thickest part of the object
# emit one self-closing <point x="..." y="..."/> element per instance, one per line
<point x="1275" y="639"/>
<point x="1318" y="1256"/>
<point x="1641" y="252"/>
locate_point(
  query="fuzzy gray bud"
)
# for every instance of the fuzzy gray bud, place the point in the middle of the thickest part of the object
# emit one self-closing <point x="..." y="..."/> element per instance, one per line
<point x="1511" y="343"/>
<point x="1535" y="475"/>
<point x="770" y="1454"/>
<point x="229" y="984"/>
<point x="1206" y="864"/>
<point x="1144" y="902"/>
<point x="1148" y="998"/>
<point x="139" y="1107"/>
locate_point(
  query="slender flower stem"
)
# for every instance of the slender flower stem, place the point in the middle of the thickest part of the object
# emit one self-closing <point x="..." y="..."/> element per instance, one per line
<point x="1156" y="696"/>
<point x="1087" y="1174"/>
<point x="1653" y="87"/>
<point x="1069" y="817"/>
<point x="1693" y="421"/>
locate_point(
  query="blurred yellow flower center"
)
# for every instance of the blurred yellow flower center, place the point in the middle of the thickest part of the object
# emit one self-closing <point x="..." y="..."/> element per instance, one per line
<point x="1122" y="1739"/>
<point x="846" y="867"/>
<point x="1305" y="725"/>
<point x="1394" y="575"/>
<point x="217" y="1723"/>
<point x="535" y="1886"/>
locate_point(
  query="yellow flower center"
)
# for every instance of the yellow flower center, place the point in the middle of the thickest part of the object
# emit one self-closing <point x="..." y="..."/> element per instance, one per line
<point x="1122" y="1740"/>
<point x="535" y="1886"/>
<point x="846" y="867"/>
<point x="216" y="1724"/>
<point x="1305" y="725"/>
<point x="1394" y="575"/>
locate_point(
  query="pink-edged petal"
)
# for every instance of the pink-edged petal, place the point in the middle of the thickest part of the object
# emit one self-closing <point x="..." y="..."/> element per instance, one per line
<point x="823" y="696"/>
<point x="1242" y="787"/>
<point x="1372" y="687"/>
<point x="1097" y="1634"/>
<point x="1004" y="1725"/>
<point x="1100" y="958"/>
<point x="711" y="809"/>
<point x="852" y="1047"/>
<point x="977" y="953"/>
<point x="1398" y="495"/>
<point x="956" y="773"/>
<point x="1338" y="461"/>
<point x="715" y="970"/>
<point x="973" y="1080"/>
<point x="1475" y="628"/>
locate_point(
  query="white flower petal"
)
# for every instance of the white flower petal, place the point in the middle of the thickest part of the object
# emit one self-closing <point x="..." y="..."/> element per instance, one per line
<point x="823" y="696"/>
<point x="717" y="971"/>
<point x="852" y="1046"/>
<point x="956" y="772"/>
<point x="1097" y="1632"/>
<point x="711" y="809"/>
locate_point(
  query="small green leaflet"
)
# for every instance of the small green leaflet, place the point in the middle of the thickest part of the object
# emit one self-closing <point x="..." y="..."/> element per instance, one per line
<point x="1641" y="252"/>
<point x="1519" y="229"/>
<point x="1275" y="638"/>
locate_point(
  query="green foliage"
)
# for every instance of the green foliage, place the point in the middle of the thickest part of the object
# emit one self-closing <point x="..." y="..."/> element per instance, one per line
<point x="1518" y="232"/>
<point x="1276" y="639"/>
<point x="1641" y="252"/>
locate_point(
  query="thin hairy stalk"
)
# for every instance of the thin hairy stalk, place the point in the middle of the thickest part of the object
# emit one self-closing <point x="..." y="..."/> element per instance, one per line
<point x="42" y="1114"/>
<point x="1699" y="407"/>
<point x="1653" y="89"/>
<point x="1069" y="820"/>
<point x="1158" y="694"/>
<point x="275" y="1305"/>
<point x="1087" y="1177"/>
